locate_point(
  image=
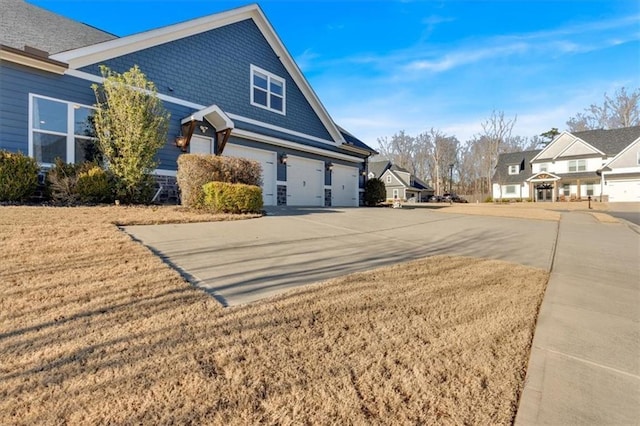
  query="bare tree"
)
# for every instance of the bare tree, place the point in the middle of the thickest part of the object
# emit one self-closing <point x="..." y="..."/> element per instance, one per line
<point x="439" y="152"/>
<point x="400" y="150"/>
<point x="496" y="132"/>
<point x="621" y="110"/>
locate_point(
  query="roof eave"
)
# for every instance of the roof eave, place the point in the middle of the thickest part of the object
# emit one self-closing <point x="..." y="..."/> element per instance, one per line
<point x="21" y="57"/>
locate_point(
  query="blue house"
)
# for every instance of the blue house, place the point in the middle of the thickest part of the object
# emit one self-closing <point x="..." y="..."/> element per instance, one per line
<point x="231" y="86"/>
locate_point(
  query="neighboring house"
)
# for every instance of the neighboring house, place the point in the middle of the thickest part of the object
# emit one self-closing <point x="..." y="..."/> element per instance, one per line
<point x="400" y="183"/>
<point x="604" y="164"/>
<point x="231" y="86"/>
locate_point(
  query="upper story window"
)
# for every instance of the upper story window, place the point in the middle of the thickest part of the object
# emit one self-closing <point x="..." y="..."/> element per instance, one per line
<point x="577" y="165"/>
<point x="268" y="90"/>
<point x="388" y="178"/>
<point x="60" y="129"/>
<point x="514" y="169"/>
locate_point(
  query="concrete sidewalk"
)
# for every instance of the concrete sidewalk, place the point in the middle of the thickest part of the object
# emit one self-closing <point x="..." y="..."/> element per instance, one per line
<point x="584" y="366"/>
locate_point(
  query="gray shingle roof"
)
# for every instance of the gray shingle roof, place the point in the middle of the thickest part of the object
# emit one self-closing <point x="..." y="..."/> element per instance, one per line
<point x="24" y="24"/>
<point x="611" y="141"/>
<point x="352" y="140"/>
<point x="379" y="167"/>
<point x="522" y="159"/>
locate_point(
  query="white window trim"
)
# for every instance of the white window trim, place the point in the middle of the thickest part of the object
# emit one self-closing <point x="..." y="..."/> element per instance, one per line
<point x="577" y="166"/>
<point x="70" y="135"/>
<point x="544" y="167"/>
<point x="513" y="167"/>
<point x="507" y="192"/>
<point x="388" y="178"/>
<point x="270" y="76"/>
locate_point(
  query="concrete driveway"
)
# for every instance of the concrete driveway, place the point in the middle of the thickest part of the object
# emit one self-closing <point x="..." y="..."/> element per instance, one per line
<point x="244" y="261"/>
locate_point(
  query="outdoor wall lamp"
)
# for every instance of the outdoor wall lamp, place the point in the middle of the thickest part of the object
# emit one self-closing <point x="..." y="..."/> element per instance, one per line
<point x="283" y="158"/>
<point x="329" y="167"/>
<point x="181" y="142"/>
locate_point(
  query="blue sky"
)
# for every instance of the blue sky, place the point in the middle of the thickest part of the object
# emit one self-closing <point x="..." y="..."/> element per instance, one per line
<point x="390" y="65"/>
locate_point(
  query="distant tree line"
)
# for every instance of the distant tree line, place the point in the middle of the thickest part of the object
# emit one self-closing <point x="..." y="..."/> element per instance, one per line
<point x="436" y="157"/>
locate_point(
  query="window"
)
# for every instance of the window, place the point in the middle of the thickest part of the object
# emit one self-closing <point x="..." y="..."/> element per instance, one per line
<point x="577" y="166"/>
<point x="267" y="90"/>
<point x="388" y="178"/>
<point x="544" y="167"/>
<point x="510" y="190"/>
<point x="566" y="189"/>
<point x="589" y="189"/>
<point x="514" y="170"/>
<point x="60" y="129"/>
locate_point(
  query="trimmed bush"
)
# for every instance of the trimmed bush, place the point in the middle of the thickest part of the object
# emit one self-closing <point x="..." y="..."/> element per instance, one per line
<point x="374" y="192"/>
<point x="489" y="199"/>
<point x="94" y="186"/>
<point x="74" y="183"/>
<point x="195" y="170"/>
<point x="222" y="197"/>
<point x="18" y="176"/>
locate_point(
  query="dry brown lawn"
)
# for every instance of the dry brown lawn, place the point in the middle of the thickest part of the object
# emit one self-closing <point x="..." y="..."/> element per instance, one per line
<point x="537" y="211"/>
<point x="95" y="329"/>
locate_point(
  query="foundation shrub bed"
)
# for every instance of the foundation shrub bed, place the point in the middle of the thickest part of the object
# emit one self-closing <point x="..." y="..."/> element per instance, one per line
<point x="18" y="176"/>
<point x="195" y="170"/>
<point x="79" y="183"/>
<point x="222" y="197"/>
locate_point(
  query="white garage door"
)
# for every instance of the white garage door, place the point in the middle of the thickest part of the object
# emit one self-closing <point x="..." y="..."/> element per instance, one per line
<point x="305" y="182"/>
<point x="623" y="190"/>
<point x="344" y="186"/>
<point x="267" y="160"/>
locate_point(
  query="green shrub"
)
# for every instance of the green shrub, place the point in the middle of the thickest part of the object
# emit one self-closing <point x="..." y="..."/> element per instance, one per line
<point x="222" y="197"/>
<point x="374" y="192"/>
<point x="195" y="170"/>
<point x="489" y="199"/>
<point x="94" y="185"/>
<point x="79" y="183"/>
<point x="18" y="176"/>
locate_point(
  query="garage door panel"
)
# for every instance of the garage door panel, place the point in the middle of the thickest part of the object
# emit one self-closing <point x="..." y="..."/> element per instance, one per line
<point x="267" y="160"/>
<point x="623" y="190"/>
<point x="305" y="182"/>
<point x="344" y="186"/>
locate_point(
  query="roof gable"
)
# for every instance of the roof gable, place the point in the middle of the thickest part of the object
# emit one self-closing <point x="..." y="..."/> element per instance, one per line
<point x="628" y="157"/>
<point x="555" y="147"/>
<point x="102" y="52"/>
<point x="578" y="148"/>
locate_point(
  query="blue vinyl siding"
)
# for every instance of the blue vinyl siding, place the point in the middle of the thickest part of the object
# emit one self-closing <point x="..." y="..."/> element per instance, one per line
<point x="214" y="68"/>
<point x="17" y="82"/>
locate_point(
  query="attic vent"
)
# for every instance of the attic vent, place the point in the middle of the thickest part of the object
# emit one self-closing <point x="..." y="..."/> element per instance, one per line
<point x="36" y="52"/>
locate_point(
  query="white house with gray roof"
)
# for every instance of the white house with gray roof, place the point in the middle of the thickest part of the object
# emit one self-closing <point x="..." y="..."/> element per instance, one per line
<point x="603" y="164"/>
